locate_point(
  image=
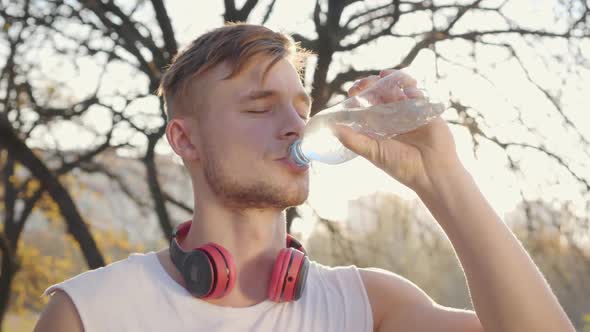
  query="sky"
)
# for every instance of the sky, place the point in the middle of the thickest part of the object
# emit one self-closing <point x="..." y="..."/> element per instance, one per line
<point x="495" y="99"/>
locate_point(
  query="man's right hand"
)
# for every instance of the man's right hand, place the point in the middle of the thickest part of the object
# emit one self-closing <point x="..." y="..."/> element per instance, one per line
<point x="414" y="158"/>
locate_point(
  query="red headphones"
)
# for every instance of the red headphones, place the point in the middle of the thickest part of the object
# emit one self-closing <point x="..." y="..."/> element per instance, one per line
<point x="210" y="273"/>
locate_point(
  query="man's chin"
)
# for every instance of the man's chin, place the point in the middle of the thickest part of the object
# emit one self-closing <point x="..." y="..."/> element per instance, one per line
<point x="268" y="196"/>
<point x="295" y="202"/>
<point x="292" y="197"/>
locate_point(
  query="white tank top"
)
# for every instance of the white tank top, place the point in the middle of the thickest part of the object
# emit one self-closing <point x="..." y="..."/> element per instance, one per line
<point x="137" y="295"/>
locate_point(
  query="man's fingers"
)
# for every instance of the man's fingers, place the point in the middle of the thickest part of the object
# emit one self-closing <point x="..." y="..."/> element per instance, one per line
<point x="400" y="77"/>
<point x="358" y="143"/>
<point x="393" y="94"/>
<point x="386" y="72"/>
<point x="389" y="86"/>
<point x="362" y="84"/>
<point x="378" y="151"/>
<point x="413" y="92"/>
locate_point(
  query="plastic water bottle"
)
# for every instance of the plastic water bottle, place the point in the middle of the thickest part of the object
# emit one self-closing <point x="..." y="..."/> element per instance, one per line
<point x="386" y="120"/>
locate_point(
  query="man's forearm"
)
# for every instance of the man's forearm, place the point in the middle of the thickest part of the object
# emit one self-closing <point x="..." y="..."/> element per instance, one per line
<point x="508" y="291"/>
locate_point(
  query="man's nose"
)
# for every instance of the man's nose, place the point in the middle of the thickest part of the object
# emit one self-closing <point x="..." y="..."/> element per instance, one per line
<point x="292" y="123"/>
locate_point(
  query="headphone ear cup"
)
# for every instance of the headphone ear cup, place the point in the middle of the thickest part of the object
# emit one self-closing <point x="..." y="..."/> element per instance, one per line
<point x="278" y="272"/>
<point x="224" y="270"/>
<point x="197" y="273"/>
<point x="287" y="281"/>
<point x="301" y="278"/>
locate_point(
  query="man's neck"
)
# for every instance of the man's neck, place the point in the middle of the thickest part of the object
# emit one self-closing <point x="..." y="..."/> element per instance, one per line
<point x="253" y="238"/>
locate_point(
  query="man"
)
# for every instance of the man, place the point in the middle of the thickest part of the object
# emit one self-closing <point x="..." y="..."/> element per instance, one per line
<point x="235" y="104"/>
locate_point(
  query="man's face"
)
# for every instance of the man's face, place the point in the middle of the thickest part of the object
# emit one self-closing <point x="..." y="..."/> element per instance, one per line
<point x="249" y="123"/>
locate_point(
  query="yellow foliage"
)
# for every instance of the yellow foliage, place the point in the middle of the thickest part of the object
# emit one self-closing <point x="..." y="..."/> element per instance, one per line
<point x="115" y="245"/>
<point x="47" y="258"/>
<point x="13" y="180"/>
<point x="32" y="187"/>
<point x="36" y="271"/>
<point x="23" y="322"/>
<point x="49" y="208"/>
<point x="586" y="320"/>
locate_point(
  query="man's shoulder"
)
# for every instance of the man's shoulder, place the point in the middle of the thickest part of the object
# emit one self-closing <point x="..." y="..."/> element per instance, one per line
<point x="119" y="272"/>
<point x="60" y="314"/>
<point x="70" y="299"/>
<point x="381" y="279"/>
<point x="383" y="289"/>
<point x="345" y="280"/>
<point x="387" y="290"/>
<point x="398" y="303"/>
<point x="335" y="274"/>
<point x="370" y="276"/>
<point x="342" y="291"/>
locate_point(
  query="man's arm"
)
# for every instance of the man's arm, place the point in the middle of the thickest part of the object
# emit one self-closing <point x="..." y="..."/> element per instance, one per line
<point x="60" y="314"/>
<point x="508" y="291"/>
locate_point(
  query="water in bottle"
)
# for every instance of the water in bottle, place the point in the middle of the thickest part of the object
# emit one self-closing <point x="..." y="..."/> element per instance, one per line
<point x="386" y="120"/>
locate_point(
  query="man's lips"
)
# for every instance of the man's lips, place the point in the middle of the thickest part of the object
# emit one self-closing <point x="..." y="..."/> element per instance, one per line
<point x="292" y="165"/>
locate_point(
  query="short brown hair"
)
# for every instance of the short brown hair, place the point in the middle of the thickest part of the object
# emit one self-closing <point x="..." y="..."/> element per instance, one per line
<point x="234" y="43"/>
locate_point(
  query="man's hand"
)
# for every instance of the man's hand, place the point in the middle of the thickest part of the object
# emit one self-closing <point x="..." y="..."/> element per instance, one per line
<point x="414" y="158"/>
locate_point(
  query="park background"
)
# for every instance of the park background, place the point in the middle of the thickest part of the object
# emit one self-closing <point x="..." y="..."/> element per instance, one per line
<point x="87" y="176"/>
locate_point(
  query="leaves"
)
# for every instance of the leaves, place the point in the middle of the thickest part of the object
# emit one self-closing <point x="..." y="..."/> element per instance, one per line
<point x="48" y="257"/>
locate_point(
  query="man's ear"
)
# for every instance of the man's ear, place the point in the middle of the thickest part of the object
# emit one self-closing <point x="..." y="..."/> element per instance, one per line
<point x="178" y="133"/>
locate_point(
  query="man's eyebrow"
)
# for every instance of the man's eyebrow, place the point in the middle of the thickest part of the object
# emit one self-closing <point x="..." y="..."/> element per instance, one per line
<point x="259" y="94"/>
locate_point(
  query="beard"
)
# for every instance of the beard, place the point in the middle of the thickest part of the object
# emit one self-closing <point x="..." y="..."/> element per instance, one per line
<point x="258" y="193"/>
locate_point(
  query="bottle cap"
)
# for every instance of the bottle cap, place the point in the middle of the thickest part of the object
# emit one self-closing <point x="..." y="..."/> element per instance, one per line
<point x="297" y="155"/>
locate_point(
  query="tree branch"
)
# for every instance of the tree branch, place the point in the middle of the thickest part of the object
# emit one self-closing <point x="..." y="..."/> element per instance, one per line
<point x="551" y="99"/>
<point x="232" y="14"/>
<point x="166" y="27"/>
<point x="268" y="11"/>
<point x="128" y="35"/>
<point x="75" y="223"/>
<point x="365" y="13"/>
<point x="395" y="15"/>
<point x="460" y="14"/>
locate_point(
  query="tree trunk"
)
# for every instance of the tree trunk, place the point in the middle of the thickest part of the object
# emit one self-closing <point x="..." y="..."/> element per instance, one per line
<point x="9" y="269"/>
<point x="320" y="92"/>
<point x="75" y="224"/>
<point x="155" y="188"/>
